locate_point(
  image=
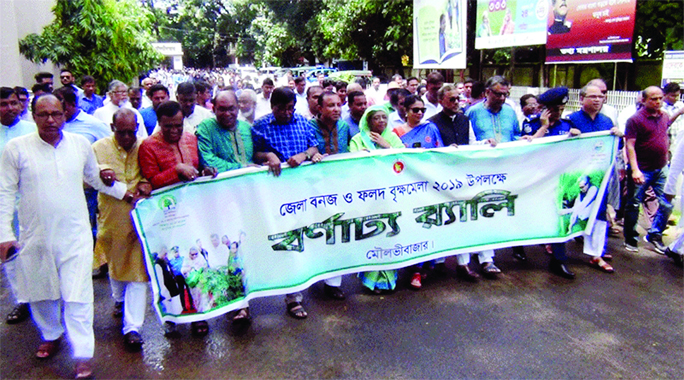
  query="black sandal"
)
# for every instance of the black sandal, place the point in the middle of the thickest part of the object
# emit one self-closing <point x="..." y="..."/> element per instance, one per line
<point x="242" y="316"/>
<point x="296" y="310"/>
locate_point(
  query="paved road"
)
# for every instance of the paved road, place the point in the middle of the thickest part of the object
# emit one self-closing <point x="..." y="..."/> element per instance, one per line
<point x="526" y="324"/>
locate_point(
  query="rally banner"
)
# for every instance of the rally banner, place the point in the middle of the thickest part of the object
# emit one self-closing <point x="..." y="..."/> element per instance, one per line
<point x="212" y="245"/>
<point x="590" y="30"/>
<point x="505" y="23"/>
<point x="439" y="34"/>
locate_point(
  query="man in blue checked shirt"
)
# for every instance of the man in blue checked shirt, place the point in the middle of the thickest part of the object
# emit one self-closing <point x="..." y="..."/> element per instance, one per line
<point x="285" y="136"/>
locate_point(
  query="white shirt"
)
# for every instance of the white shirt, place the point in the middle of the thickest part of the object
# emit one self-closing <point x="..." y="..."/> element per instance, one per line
<point x="430" y="109"/>
<point x="198" y="115"/>
<point x="624" y="115"/>
<point x="678" y="125"/>
<point x="57" y="236"/>
<point x="218" y="256"/>
<point x="611" y="112"/>
<point x="106" y="114"/>
<point x="302" y="104"/>
<point x="263" y="107"/>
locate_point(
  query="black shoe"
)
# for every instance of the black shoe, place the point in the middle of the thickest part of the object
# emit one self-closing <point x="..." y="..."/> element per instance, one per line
<point x="19" y="314"/>
<point x="133" y="341"/>
<point x="464" y="272"/>
<point x="333" y="292"/>
<point x="678" y="259"/>
<point x="118" y="310"/>
<point x="440" y="269"/>
<point x="170" y="330"/>
<point x="558" y="268"/>
<point x="657" y="241"/>
<point x="519" y="254"/>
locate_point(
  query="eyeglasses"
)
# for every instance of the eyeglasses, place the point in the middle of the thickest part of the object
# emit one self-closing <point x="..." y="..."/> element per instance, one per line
<point x="499" y="94"/>
<point x="54" y="115"/>
<point x="418" y="109"/>
<point x="453" y="99"/>
<point x="120" y="92"/>
<point x="65" y="77"/>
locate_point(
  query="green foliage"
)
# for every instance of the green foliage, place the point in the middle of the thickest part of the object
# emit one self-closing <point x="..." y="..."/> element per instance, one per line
<point x="107" y="39"/>
<point x="659" y="27"/>
<point x="224" y="285"/>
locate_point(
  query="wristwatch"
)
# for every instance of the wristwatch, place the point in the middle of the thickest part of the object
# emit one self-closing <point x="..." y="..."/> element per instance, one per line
<point x="308" y="156"/>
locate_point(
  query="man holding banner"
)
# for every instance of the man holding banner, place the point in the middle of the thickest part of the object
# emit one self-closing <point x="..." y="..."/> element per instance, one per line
<point x="281" y="136"/>
<point x="226" y="144"/>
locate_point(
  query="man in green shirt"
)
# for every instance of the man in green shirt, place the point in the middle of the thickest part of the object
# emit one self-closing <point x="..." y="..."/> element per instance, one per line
<point x="225" y="142"/>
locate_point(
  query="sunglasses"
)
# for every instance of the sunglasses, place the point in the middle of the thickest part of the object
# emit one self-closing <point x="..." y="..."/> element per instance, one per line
<point x="418" y="109"/>
<point x="453" y="99"/>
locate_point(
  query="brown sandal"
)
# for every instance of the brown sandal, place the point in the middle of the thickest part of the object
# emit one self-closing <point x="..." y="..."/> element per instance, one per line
<point x="601" y="265"/>
<point x="48" y="349"/>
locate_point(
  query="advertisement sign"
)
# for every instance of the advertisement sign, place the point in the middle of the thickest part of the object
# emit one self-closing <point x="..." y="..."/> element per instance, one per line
<point x="673" y="67"/>
<point x="504" y="23"/>
<point x="439" y="34"/>
<point x="590" y="30"/>
<point x="212" y="245"/>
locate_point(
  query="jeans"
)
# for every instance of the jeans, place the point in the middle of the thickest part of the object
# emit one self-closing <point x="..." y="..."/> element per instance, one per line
<point x="635" y="195"/>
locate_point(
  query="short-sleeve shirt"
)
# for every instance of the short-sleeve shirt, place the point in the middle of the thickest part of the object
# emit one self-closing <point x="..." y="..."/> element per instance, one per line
<point x="285" y="140"/>
<point x="501" y="126"/>
<point x="650" y="132"/>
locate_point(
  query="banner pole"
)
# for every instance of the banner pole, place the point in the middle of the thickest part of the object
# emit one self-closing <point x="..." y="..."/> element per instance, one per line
<point x="615" y="75"/>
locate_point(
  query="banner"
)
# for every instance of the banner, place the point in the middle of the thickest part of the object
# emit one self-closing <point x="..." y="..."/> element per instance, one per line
<point x="673" y="67"/>
<point x="439" y="34"/>
<point x="590" y="30"/>
<point x="505" y="23"/>
<point x="212" y="245"/>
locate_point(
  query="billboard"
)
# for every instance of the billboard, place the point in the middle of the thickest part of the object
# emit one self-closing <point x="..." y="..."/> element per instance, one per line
<point x="590" y="30"/>
<point x="439" y="34"/>
<point x="673" y="67"/>
<point x="504" y="23"/>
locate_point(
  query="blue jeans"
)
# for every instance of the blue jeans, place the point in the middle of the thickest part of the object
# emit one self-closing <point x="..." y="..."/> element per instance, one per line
<point x="635" y="195"/>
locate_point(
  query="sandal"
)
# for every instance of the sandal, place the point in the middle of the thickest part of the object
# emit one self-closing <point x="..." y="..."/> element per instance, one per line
<point x="416" y="281"/>
<point x="200" y="328"/>
<point x="601" y="265"/>
<point x="242" y="316"/>
<point x="49" y="348"/>
<point x="84" y="370"/>
<point x="296" y="310"/>
<point x="18" y="314"/>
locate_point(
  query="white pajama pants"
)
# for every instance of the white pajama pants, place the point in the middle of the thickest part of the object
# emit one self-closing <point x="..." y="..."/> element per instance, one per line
<point x="596" y="240"/>
<point x="134" y="297"/>
<point x="78" y="318"/>
<point x="483" y="256"/>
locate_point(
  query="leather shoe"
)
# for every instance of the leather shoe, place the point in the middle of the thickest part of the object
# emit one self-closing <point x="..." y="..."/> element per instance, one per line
<point x="465" y="273"/>
<point x="19" y="314"/>
<point x="133" y="341"/>
<point x="674" y="256"/>
<point x="333" y="292"/>
<point x="559" y="268"/>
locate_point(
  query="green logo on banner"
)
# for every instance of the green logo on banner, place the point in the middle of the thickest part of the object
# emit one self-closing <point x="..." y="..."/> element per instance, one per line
<point x="167" y="202"/>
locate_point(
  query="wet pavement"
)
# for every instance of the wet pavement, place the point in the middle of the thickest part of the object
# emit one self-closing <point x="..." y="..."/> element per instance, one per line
<point x="527" y="324"/>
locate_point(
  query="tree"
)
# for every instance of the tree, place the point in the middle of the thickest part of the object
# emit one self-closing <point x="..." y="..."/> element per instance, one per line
<point x="659" y="27"/>
<point x="107" y="39"/>
<point x="379" y="31"/>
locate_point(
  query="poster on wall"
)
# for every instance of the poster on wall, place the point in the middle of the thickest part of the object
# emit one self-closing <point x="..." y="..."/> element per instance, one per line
<point x="505" y="23"/>
<point x="439" y="34"/>
<point x="590" y="30"/>
<point x="673" y="67"/>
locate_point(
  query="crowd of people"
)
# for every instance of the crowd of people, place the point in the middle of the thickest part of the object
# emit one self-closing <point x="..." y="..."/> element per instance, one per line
<point x="73" y="167"/>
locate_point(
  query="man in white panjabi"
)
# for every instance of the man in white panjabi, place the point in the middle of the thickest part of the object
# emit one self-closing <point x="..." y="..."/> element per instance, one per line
<point x="47" y="169"/>
<point x="118" y="93"/>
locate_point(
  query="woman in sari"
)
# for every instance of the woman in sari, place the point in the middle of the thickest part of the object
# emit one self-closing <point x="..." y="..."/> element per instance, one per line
<point x="374" y="134"/>
<point x="418" y="133"/>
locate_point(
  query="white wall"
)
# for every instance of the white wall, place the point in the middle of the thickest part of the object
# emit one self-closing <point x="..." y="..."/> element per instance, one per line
<point x="18" y="18"/>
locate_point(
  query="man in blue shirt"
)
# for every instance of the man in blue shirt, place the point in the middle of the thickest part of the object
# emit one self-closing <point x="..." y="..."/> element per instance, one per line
<point x="11" y="126"/>
<point x="357" y="106"/>
<point x="78" y="121"/>
<point x="492" y="120"/>
<point x="284" y="135"/>
<point x="158" y="93"/>
<point x="89" y="101"/>
<point x="495" y="122"/>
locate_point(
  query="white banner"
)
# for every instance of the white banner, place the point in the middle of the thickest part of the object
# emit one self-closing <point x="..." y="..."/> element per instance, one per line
<point x="248" y="234"/>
